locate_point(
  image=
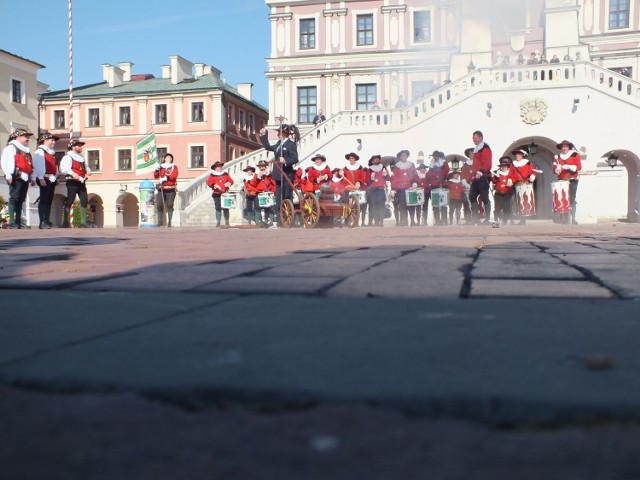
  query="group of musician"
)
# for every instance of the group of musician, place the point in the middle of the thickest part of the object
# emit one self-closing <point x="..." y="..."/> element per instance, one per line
<point x="467" y="192"/>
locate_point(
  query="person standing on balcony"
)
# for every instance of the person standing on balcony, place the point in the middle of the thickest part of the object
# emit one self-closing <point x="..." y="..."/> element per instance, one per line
<point x="17" y="165"/>
<point x="286" y="156"/>
<point x="319" y="118"/>
<point x="481" y="174"/>
<point x="567" y="165"/>
<point x="46" y="172"/>
<point x="167" y="174"/>
<point x="75" y="168"/>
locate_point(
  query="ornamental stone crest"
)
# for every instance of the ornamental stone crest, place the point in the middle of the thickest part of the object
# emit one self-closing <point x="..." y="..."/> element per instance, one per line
<point x="534" y="111"/>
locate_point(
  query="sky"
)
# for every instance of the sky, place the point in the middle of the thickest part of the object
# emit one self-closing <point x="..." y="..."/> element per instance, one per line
<point x="232" y="36"/>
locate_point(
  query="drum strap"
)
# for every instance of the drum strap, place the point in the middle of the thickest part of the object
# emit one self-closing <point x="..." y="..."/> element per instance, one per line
<point x="518" y="170"/>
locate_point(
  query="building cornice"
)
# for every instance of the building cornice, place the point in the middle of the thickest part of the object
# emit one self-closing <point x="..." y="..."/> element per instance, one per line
<point x="393" y="8"/>
<point x="281" y="16"/>
<point x="330" y="12"/>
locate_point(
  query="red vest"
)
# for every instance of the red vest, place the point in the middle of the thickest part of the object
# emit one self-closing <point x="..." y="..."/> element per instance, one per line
<point x="50" y="167"/>
<point x="80" y="168"/>
<point x="24" y="162"/>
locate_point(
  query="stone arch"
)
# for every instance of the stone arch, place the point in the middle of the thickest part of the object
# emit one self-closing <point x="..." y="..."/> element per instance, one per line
<point x="127" y="210"/>
<point x="543" y="161"/>
<point x="95" y="210"/>
<point x="629" y="161"/>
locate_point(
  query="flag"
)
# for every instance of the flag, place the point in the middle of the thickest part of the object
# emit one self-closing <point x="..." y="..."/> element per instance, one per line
<point x="147" y="155"/>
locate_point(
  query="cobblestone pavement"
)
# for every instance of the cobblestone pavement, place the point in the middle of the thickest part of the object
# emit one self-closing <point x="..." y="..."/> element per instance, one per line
<point x="377" y="353"/>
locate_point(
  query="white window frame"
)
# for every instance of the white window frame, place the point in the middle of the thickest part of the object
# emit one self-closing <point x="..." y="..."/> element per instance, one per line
<point x="242" y="119"/>
<point x="412" y="11"/>
<point x="159" y="156"/>
<point x="317" y="29"/>
<point x="354" y="29"/>
<point x="100" y="116"/>
<point x="99" y="150"/>
<point x="23" y="90"/>
<point x="252" y="123"/>
<point x="607" y="9"/>
<point x="118" y="112"/>
<point x="117" y="157"/>
<point x="64" y="117"/>
<point x="204" y="111"/>
<point x="155" y="113"/>
<point x="204" y="156"/>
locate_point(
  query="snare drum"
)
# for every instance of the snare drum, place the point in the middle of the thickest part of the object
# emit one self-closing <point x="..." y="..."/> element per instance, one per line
<point x="361" y="195"/>
<point x="228" y="200"/>
<point x="525" y="200"/>
<point x="561" y="199"/>
<point x="414" y="196"/>
<point x="266" y="199"/>
<point x="439" y="197"/>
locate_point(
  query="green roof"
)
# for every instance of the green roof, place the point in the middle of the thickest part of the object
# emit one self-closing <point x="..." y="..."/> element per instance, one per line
<point x="152" y="86"/>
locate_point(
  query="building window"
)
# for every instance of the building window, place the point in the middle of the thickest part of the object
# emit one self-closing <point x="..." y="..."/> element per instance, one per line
<point x="231" y="118"/>
<point x="365" y="29"/>
<point x="58" y="118"/>
<point x="124" y="115"/>
<point x="197" y="112"/>
<point x="197" y="156"/>
<point x="161" y="113"/>
<point x="307" y="34"/>
<point x="17" y="91"/>
<point x="252" y="123"/>
<point x="365" y="96"/>
<point x="243" y="125"/>
<point x="94" y="117"/>
<point x="124" y="160"/>
<point x="618" y="14"/>
<point x="307" y="101"/>
<point x="422" y="26"/>
<point x="93" y="157"/>
<point x="161" y="151"/>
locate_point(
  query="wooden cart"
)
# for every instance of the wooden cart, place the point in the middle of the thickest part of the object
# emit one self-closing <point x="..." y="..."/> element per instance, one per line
<point x="310" y="209"/>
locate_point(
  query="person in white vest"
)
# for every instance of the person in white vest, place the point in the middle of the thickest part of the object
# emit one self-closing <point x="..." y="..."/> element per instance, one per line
<point x="46" y="173"/>
<point x="17" y="165"/>
<point x="76" y="170"/>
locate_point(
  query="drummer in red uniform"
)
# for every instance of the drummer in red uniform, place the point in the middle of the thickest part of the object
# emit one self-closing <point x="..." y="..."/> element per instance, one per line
<point x="481" y="171"/>
<point x="355" y="175"/>
<point x="404" y="177"/>
<point x="522" y="173"/>
<point x="219" y="182"/>
<point x="377" y="183"/>
<point x="503" y="190"/>
<point x="436" y="178"/>
<point x="421" y="210"/>
<point x="567" y="165"/>
<point x="319" y="173"/>
<point x="456" y="196"/>
<point x="250" y="211"/>
<point x="339" y="185"/>
<point x="263" y="182"/>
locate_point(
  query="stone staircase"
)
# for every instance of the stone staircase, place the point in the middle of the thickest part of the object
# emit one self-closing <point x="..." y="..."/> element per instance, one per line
<point x="197" y="205"/>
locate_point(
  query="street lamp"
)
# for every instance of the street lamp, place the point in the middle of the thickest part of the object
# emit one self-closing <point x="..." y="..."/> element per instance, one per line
<point x="533" y="148"/>
<point x="612" y="160"/>
<point x="455" y="163"/>
<point x="471" y="67"/>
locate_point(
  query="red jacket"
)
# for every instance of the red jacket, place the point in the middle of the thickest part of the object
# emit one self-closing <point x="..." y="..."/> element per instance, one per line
<point x="466" y="173"/>
<point x="436" y="177"/>
<point x="520" y="174"/>
<point x="455" y="189"/>
<point x="574" y="166"/>
<point x="501" y="182"/>
<point x="482" y="161"/>
<point x="168" y="172"/>
<point x="264" y="184"/>
<point x="358" y="175"/>
<point x="378" y="179"/>
<point x="339" y="186"/>
<point x="249" y="186"/>
<point x="217" y="182"/>
<point x="404" y="178"/>
<point x="313" y="175"/>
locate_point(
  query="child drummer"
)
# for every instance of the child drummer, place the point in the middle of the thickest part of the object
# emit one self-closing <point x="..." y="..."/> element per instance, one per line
<point x="319" y="173"/>
<point x="262" y="182"/>
<point x="456" y="196"/>
<point x="339" y="185"/>
<point x="503" y="190"/>
<point x="219" y="182"/>
<point x="522" y="172"/>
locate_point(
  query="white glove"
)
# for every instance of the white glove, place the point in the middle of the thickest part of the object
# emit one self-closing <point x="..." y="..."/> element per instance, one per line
<point x="8" y="178"/>
<point x="566" y="167"/>
<point x="572" y="168"/>
<point x="52" y="178"/>
<point x="81" y="179"/>
<point x="558" y="169"/>
<point x="532" y="178"/>
<point x="24" y="176"/>
<point x="509" y="183"/>
<point x="157" y="167"/>
<point x="373" y="177"/>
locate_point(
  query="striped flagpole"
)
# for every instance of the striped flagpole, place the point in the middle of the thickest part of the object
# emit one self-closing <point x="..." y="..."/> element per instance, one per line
<point x="70" y="74"/>
<point x="71" y="217"/>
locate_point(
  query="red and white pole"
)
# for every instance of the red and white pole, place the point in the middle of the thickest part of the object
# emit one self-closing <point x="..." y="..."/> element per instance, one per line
<point x="70" y="74"/>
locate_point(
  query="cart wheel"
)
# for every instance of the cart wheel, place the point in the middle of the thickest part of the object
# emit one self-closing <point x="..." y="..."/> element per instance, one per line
<point x="352" y="212"/>
<point x="310" y="210"/>
<point x="286" y="213"/>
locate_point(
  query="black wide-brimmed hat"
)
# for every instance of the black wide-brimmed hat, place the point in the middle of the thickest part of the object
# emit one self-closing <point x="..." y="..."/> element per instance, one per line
<point x="567" y="143"/>
<point x="399" y="154"/>
<point x="352" y="154"/>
